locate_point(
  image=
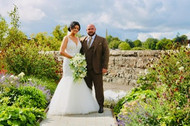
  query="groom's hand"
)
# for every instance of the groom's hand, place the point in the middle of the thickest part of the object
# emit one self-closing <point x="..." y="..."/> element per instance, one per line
<point x="104" y="71"/>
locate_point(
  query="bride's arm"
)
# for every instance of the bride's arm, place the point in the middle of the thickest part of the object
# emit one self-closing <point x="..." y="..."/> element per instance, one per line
<point x="63" y="47"/>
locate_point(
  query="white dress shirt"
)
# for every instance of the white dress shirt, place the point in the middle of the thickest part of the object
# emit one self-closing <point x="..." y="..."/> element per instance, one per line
<point x="93" y="37"/>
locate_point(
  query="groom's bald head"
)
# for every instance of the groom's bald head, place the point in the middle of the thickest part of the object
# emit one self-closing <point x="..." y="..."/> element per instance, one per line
<point x="91" y="29"/>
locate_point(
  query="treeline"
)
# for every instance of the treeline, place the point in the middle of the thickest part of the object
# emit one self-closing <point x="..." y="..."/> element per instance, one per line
<point x="150" y="43"/>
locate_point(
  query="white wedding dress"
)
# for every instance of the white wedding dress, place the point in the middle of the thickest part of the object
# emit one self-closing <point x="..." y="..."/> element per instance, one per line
<point x="72" y="97"/>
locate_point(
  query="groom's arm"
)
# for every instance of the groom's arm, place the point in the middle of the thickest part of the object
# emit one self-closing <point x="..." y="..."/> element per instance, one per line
<point x="105" y="54"/>
<point x="82" y="39"/>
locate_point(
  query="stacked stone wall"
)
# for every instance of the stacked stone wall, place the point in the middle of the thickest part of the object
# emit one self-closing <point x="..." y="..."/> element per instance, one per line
<point x="126" y="66"/>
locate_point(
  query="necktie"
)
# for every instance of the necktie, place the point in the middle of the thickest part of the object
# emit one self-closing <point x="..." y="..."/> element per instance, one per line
<point x="89" y="42"/>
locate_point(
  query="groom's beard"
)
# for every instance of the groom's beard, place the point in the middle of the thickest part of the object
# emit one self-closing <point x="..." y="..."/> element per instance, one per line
<point x="91" y="33"/>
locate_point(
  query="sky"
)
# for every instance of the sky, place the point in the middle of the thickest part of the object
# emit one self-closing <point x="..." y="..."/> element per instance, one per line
<point x="125" y="19"/>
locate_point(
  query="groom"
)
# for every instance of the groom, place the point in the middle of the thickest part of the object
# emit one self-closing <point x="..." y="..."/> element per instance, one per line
<point x="96" y="52"/>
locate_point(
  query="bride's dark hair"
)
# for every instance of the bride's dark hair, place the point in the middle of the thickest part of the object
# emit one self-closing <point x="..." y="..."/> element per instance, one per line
<point x="73" y="24"/>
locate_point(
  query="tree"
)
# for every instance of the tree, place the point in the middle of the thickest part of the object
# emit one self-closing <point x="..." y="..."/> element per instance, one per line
<point x="114" y="44"/>
<point x="59" y="32"/>
<point x="110" y="38"/>
<point x="137" y="43"/>
<point x="14" y="35"/>
<point x="130" y="42"/>
<point x="124" y="46"/>
<point x="150" y="43"/>
<point x="3" y="30"/>
<point x="180" y="39"/>
<point x="164" y="44"/>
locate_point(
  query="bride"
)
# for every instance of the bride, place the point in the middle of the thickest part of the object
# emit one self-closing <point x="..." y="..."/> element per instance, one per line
<point x="71" y="97"/>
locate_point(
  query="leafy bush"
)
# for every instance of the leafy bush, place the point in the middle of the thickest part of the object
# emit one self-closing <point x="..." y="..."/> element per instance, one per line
<point x="31" y="62"/>
<point x="21" y="104"/>
<point x="124" y="46"/>
<point x="8" y="81"/>
<point x="25" y="96"/>
<point x="138" y="48"/>
<point x="12" y="116"/>
<point x="48" y="43"/>
<point x="48" y="86"/>
<point x="135" y="94"/>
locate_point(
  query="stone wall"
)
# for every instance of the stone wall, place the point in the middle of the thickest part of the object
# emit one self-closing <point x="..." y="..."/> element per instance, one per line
<point x="126" y="66"/>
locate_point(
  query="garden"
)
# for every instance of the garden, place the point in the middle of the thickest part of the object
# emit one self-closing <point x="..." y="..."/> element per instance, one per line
<point x="163" y="97"/>
<point x="28" y="80"/>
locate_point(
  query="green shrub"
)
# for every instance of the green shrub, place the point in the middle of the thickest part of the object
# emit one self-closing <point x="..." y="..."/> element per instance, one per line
<point x="48" y="43"/>
<point x="26" y="58"/>
<point x="47" y="83"/>
<point x="124" y="46"/>
<point x="168" y="80"/>
<point x="135" y="94"/>
<point x="138" y="48"/>
<point x="25" y="96"/>
<point x="12" y="116"/>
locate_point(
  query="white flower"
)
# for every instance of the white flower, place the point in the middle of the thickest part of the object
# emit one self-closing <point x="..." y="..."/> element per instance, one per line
<point x="2" y="77"/>
<point x="21" y="74"/>
<point x="15" y="77"/>
<point x="12" y="76"/>
<point x="30" y="79"/>
<point x="177" y="62"/>
<point x="181" y="68"/>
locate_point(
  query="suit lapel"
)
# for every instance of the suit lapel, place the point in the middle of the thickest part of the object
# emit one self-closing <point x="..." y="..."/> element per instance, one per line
<point x="85" y="43"/>
<point x="95" y="43"/>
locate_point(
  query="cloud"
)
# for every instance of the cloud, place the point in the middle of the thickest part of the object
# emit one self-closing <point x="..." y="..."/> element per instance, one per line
<point x="157" y="35"/>
<point x="188" y="35"/>
<point x="122" y="18"/>
<point x="28" y="10"/>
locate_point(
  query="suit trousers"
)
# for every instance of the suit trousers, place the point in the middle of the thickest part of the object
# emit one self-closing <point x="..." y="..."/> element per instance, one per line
<point x="97" y="80"/>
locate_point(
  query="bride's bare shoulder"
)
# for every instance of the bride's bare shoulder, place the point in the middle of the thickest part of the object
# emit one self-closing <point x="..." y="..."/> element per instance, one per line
<point x="65" y="37"/>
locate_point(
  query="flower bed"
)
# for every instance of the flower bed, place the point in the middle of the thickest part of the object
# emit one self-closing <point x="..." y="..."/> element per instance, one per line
<point x="164" y="95"/>
<point x="22" y="100"/>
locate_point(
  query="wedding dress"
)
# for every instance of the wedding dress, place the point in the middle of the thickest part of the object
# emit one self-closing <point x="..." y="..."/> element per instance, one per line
<point x="72" y="97"/>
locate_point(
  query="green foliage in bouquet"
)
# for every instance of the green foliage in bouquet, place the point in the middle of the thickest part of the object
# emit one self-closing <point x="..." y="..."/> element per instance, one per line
<point x="78" y="65"/>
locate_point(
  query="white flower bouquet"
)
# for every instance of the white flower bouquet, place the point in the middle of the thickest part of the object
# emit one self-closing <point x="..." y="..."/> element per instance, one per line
<point x="78" y="65"/>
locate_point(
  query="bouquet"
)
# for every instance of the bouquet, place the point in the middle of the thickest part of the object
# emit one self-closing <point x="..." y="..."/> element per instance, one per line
<point x="78" y="66"/>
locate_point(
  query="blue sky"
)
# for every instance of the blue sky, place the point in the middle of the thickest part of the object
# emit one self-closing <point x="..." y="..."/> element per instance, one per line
<point x="126" y="19"/>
